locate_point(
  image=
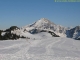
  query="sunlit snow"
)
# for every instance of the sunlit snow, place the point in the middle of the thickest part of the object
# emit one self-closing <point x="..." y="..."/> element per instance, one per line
<point x="45" y="48"/>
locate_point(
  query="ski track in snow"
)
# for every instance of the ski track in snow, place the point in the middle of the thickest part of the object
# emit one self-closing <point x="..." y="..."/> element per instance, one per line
<point x="41" y="49"/>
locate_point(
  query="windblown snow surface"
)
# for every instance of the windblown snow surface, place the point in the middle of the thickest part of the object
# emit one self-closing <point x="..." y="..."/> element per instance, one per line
<point x="46" y="48"/>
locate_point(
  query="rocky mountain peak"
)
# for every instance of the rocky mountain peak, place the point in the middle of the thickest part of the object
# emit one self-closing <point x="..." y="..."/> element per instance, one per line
<point x="44" y="20"/>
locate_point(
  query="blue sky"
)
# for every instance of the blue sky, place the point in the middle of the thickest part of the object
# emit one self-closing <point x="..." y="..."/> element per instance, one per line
<point x="23" y="12"/>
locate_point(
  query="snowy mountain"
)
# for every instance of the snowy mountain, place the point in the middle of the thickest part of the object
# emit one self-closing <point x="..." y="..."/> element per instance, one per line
<point x="45" y="24"/>
<point x="74" y="32"/>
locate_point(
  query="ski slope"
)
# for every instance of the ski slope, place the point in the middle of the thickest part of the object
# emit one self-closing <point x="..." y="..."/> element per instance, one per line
<point x="55" y="48"/>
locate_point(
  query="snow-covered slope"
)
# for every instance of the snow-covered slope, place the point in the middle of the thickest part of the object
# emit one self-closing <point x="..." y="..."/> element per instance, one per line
<point x="32" y="36"/>
<point x="58" y="48"/>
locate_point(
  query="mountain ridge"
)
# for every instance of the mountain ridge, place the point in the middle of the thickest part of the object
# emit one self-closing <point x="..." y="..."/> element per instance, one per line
<point x="46" y="25"/>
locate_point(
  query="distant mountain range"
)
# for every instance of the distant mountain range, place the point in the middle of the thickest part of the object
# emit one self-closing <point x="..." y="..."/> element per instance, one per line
<point x="44" y="25"/>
